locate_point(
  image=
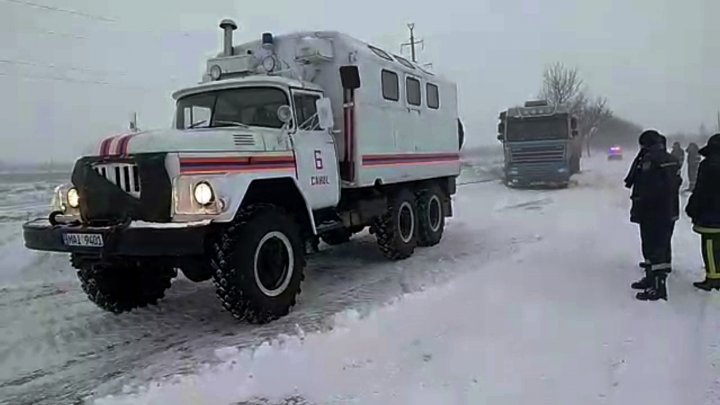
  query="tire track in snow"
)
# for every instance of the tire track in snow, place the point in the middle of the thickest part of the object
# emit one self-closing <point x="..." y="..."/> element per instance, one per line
<point x="75" y="350"/>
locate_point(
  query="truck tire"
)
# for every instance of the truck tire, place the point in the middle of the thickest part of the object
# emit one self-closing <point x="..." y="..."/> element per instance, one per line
<point x="337" y="236"/>
<point x="575" y="164"/>
<point x="122" y="286"/>
<point x="431" y="217"/>
<point x="396" y="231"/>
<point x="259" y="262"/>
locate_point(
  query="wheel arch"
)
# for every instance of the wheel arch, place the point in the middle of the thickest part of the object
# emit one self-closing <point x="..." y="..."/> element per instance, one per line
<point x="283" y="192"/>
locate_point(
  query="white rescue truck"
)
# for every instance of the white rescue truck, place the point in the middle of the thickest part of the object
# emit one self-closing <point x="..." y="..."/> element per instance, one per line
<point x="287" y="140"/>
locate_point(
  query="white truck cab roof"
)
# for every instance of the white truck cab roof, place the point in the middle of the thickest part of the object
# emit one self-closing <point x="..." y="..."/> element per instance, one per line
<point x="253" y="80"/>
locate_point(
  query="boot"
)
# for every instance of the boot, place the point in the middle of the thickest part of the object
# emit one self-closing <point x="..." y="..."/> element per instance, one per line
<point x="657" y="289"/>
<point x="644" y="283"/>
<point x="708" y="284"/>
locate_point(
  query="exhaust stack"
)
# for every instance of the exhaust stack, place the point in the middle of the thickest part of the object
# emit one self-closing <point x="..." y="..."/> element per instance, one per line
<point x="228" y="26"/>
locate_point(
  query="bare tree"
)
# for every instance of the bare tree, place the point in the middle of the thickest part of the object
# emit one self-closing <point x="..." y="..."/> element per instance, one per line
<point x="592" y="115"/>
<point x="561" y="84"/>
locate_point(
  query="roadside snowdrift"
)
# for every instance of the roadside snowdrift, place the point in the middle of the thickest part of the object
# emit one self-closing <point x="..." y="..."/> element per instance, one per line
<point x="553" y="321"/>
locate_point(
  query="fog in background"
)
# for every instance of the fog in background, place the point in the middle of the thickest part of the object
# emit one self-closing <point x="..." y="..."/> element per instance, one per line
<point x="72" y="71"/>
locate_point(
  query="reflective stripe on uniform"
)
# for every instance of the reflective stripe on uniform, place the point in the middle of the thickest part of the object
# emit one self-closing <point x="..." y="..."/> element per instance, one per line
<point x="703" y="229"/>
<point x="661" y="266"/>
<point x="712" y="270"/>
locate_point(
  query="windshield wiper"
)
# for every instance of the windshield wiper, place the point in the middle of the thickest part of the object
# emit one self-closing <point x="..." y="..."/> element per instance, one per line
<point x="230" y="124"/>
<point x="195" y="124"/>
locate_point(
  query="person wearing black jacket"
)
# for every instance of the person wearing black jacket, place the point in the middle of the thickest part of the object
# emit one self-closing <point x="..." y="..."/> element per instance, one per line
<point x="704" y="210"/>
<point x="655" y="181"/>
<point x="693" y="163"/>
<point x="678" y="152"/>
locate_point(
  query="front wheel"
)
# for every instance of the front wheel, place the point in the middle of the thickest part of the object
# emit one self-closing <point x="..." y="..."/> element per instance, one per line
<point x="123" y="285"/>
<point x="575" y="165"/>
<point x="259" y="264"/>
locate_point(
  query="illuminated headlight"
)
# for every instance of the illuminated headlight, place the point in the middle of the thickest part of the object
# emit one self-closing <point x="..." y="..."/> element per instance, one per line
<point x="215" y="72"/>
<point x="73" y="198"/>
<point x="203" y="193"/>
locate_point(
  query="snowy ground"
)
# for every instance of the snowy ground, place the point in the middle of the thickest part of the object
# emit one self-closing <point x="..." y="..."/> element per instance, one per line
<point x="526" y="300"/>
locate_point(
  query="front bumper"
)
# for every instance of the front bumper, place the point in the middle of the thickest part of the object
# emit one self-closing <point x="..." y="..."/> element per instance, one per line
<point x="537" y="174"/>
<point x="136" y="238"/>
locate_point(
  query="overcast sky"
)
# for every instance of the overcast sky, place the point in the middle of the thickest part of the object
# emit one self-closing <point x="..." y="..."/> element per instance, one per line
<point x="69" y="78"/>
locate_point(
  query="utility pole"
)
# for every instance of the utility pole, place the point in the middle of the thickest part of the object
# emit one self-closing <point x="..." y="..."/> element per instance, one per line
<point x="412" y="42"/>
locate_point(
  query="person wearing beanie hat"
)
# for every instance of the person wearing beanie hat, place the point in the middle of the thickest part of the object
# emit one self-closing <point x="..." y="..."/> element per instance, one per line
<point x="704" y="210"/>
<point x="655" y="181"/>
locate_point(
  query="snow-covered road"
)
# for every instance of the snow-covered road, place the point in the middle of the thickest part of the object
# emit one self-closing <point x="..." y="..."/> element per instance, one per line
<point x="57" y="347"/>
<point x="525" y="300"/>
<point x="539" y="312"/>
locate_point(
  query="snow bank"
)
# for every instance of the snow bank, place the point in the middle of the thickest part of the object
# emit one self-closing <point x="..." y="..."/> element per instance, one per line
<point x="552" y="322"/>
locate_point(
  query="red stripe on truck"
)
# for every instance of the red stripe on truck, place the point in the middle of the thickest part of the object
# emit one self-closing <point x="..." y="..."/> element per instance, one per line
<point x="410" y="159"/>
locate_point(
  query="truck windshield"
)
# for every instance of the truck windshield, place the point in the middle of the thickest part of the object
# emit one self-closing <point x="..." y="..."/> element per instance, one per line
<point x="536" y="129"/>
<point x="248" y="106"/>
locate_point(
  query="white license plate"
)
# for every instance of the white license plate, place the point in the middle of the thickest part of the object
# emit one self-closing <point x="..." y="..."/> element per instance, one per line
<point x="83" y="239"/>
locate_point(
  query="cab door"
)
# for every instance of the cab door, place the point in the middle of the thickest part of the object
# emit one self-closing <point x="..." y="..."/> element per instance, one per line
<point x="315" y="154"/>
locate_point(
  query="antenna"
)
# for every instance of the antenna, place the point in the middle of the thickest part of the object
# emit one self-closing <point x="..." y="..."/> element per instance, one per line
<point x="413" y="42"/>
<point x="133" y="122"/>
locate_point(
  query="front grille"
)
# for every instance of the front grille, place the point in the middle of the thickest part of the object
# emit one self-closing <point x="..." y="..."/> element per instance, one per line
<point x="537" y="154"/>
<point x="117" y="191"/>
<point x="124" y="175"/>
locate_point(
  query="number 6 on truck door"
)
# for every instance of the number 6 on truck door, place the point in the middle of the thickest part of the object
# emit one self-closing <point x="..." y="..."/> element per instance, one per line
<point x="316" y="161"/>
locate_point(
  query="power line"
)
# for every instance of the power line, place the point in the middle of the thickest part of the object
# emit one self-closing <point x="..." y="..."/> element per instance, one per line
<point x="60" y="10"/>
<point x="53" y="66"/>
<point x="56" y="78"/>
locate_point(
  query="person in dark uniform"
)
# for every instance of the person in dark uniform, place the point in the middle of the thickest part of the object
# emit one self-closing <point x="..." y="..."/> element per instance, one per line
<point x="678" y="152"/>
<point x="704" y="210"/>
<point x="655" y="181"/>
<point x="693" y="163"/>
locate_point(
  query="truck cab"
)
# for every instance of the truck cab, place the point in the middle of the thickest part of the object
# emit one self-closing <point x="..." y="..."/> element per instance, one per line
<point x="540" y="145"/>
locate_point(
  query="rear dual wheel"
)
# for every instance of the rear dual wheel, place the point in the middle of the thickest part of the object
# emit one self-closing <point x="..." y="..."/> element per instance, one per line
<point x="412" y="219"/>
<point x="396" y="230"/>
<point x="431" y="216"/>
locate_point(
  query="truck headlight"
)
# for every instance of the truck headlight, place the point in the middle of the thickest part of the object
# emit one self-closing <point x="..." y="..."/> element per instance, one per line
<point x="203" y="193"/>
<point x="73" y="198"/>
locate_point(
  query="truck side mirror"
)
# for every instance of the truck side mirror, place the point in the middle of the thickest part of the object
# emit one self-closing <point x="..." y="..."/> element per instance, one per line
<point x="324" y="112"/>
<point x="350" y="77"/>
<point x="501" y="128"/>
<point x="573" y="123"/>
<point x="501" y="137"/>
<point x="575" y="133"/>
